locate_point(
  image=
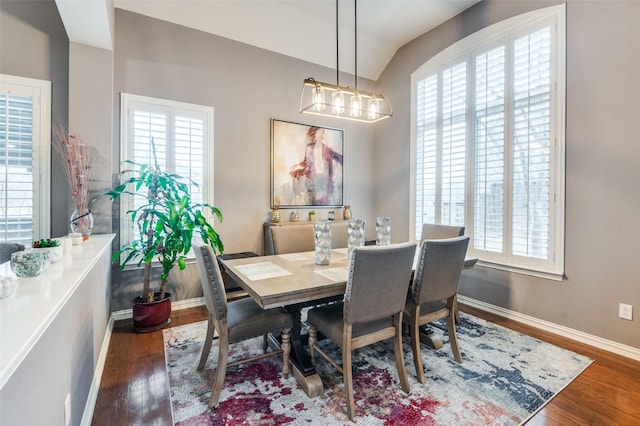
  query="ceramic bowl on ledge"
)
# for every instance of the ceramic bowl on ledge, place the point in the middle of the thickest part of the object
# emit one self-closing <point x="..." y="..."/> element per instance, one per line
<point x="31" y="263"/>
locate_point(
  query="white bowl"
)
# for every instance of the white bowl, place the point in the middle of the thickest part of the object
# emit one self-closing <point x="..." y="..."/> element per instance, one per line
<point x="8" y="286"/>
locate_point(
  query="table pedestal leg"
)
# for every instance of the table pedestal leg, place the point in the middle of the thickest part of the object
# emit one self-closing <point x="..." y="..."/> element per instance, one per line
<point x="311" y="382"/>
<point x="303" y="370"/>
<point x="427" y="336"/>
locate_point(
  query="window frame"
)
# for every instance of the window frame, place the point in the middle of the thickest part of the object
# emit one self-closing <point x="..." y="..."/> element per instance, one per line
<point x="127" y="102"/>
<point x="466" y="51"/>
<point x="40" y="91"/>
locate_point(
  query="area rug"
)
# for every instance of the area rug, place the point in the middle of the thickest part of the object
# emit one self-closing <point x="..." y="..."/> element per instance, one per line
<point x="504" y="379"/>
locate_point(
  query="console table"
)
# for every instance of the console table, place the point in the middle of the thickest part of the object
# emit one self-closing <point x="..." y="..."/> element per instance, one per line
<point x="51" y="333"/>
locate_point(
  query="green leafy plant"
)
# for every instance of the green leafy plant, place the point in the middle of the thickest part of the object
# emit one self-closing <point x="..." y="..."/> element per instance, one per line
<point x="45" y="243"/>
<point x="166" y="221"/>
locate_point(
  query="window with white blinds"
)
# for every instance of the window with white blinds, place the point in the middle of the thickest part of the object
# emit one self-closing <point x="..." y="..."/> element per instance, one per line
<point x="25" y="141"/>
<point x="183" y="137"/>
<point x="488" y="142"/>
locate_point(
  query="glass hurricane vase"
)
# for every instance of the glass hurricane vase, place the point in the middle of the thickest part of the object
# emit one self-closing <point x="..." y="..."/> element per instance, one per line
<point x="81" y="221"/>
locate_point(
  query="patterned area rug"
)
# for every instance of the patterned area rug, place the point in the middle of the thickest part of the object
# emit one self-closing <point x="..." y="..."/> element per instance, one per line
<point x="504" y="379"/>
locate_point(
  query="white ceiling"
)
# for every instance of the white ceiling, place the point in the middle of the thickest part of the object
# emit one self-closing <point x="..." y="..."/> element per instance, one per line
<point x="303" y="29"/>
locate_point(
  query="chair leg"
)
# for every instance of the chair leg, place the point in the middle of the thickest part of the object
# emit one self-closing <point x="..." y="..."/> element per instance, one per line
<point x="221" y="369"/>
<point x="397" y="349"/>
<point x="313" y="339"/>
<point x="415" y="345"/>
<point x="286" y="350"/>
<point x="453" y="338"/>
<point x="347" y="373"/>
<point x="207" y="343"/>
<point x="265" y="343"/>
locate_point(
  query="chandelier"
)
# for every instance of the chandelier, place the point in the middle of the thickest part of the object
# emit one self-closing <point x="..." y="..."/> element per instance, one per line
<point x="333" y="100"/>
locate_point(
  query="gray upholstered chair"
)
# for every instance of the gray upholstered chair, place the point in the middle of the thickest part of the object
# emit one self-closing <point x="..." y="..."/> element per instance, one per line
<point x="371" y="312"/>
<point x="235" y="321"/>
<point x="339" y="234"/>
<point x="434" y="290"/>
<point x="292" y="239"/>
<point x="7" y="249"/>
<point x="432" y="231"/>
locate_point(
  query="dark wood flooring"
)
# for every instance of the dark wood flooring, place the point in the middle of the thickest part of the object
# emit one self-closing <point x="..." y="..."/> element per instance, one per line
<point x="135" y="391"/>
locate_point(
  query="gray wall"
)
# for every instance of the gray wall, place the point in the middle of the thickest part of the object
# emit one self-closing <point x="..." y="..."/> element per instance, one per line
<point x="247" y="87"/>
<point x="34" y="27"/>
<point x="603" y="150"/>
<point x="154" y="58"/>
<point x="34" y="43"/>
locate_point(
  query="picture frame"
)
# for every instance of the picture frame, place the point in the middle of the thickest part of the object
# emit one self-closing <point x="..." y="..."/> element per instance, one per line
<point x="306" y="165"/>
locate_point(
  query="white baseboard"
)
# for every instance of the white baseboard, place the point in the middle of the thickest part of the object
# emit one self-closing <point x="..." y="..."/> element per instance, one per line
<point x="90" y="405"/>
<point x="598" y="342"/>
<point x="175" y="306"/>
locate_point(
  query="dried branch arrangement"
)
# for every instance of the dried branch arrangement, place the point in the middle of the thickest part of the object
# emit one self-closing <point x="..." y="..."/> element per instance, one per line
<point x="77" y="165"/>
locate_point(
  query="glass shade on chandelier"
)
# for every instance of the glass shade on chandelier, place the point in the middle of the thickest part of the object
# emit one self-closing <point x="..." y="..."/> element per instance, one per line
<point x="343" y="102"/>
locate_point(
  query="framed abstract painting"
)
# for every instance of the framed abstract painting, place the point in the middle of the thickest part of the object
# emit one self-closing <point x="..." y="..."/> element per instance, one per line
<point x="306" y="165"/>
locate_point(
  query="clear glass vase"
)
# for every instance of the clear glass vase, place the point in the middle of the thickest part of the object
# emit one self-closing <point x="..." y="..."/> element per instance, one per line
<point x="383" y="231"/>
<point x="82" y="222"/>
<point x="356" y="234"/>
<point x="322" y="231"/>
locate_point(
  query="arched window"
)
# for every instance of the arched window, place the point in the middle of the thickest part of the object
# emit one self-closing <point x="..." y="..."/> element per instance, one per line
<point x="488" y="142"/>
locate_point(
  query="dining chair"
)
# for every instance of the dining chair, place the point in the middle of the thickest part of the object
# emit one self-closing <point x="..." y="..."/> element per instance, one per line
<point x="339" y="234"/>
<point x="371" y="312"/>
<point x="7" y="249"/>
<point x="432" y="231"/>
<point x="292" y="239"/>
<point x="235" y="321"/>
<point x="434" y="290"/>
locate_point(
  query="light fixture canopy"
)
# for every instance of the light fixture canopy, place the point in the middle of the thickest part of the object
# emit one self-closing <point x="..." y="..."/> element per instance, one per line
<point x="333" y="100"/>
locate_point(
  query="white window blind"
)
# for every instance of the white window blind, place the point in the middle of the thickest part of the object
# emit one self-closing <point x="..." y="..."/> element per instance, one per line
<point x="452" y="158"/>
<point x="25" y="112"/>
<point x="532" y="190"/>
<point x="489" y="142"/>
<point x="183" y="136"/>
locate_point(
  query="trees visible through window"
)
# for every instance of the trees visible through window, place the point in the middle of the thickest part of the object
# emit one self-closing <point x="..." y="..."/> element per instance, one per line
<point x="489" y="142"/>
<point x="25" y="146"/>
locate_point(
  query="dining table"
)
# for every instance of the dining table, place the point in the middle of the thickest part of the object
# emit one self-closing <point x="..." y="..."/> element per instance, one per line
<point x="294" y="281"/>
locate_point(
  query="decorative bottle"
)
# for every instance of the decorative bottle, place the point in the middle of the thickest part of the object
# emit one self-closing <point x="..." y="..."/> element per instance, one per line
<point x="346" y="213"/>
<point x="275" y="215"/>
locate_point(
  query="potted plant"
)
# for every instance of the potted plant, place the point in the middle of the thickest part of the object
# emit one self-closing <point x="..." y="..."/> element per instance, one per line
<point x="166" y="222"/>
<point x="51" y="246"/>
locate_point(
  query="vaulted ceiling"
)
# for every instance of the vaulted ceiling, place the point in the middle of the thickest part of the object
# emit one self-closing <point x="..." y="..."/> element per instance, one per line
<point x="303" y="29"/>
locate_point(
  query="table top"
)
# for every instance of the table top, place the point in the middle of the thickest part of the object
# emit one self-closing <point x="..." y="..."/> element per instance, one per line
<point x="287" y="279"/>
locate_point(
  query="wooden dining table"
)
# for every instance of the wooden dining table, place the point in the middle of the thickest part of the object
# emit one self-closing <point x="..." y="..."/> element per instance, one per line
<point x="294" y="281"/>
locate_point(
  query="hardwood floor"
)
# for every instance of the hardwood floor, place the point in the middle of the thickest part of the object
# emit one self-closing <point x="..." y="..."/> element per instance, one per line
<point x="135" y="391"/>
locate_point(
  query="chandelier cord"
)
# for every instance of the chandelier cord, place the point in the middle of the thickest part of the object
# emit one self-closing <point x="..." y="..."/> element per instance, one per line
<point x="337" y="48"/>
<point x="355" y="38"/>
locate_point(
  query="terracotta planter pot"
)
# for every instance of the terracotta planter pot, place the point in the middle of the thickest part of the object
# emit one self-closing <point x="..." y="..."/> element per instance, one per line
<point x="151" y="316"/>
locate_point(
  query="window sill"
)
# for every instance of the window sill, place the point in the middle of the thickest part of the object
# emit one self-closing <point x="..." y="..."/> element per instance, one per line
<point x="539" y="274"/>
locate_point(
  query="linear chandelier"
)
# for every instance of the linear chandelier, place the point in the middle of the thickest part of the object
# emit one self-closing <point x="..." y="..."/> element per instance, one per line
<point x="329" y="99"/>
